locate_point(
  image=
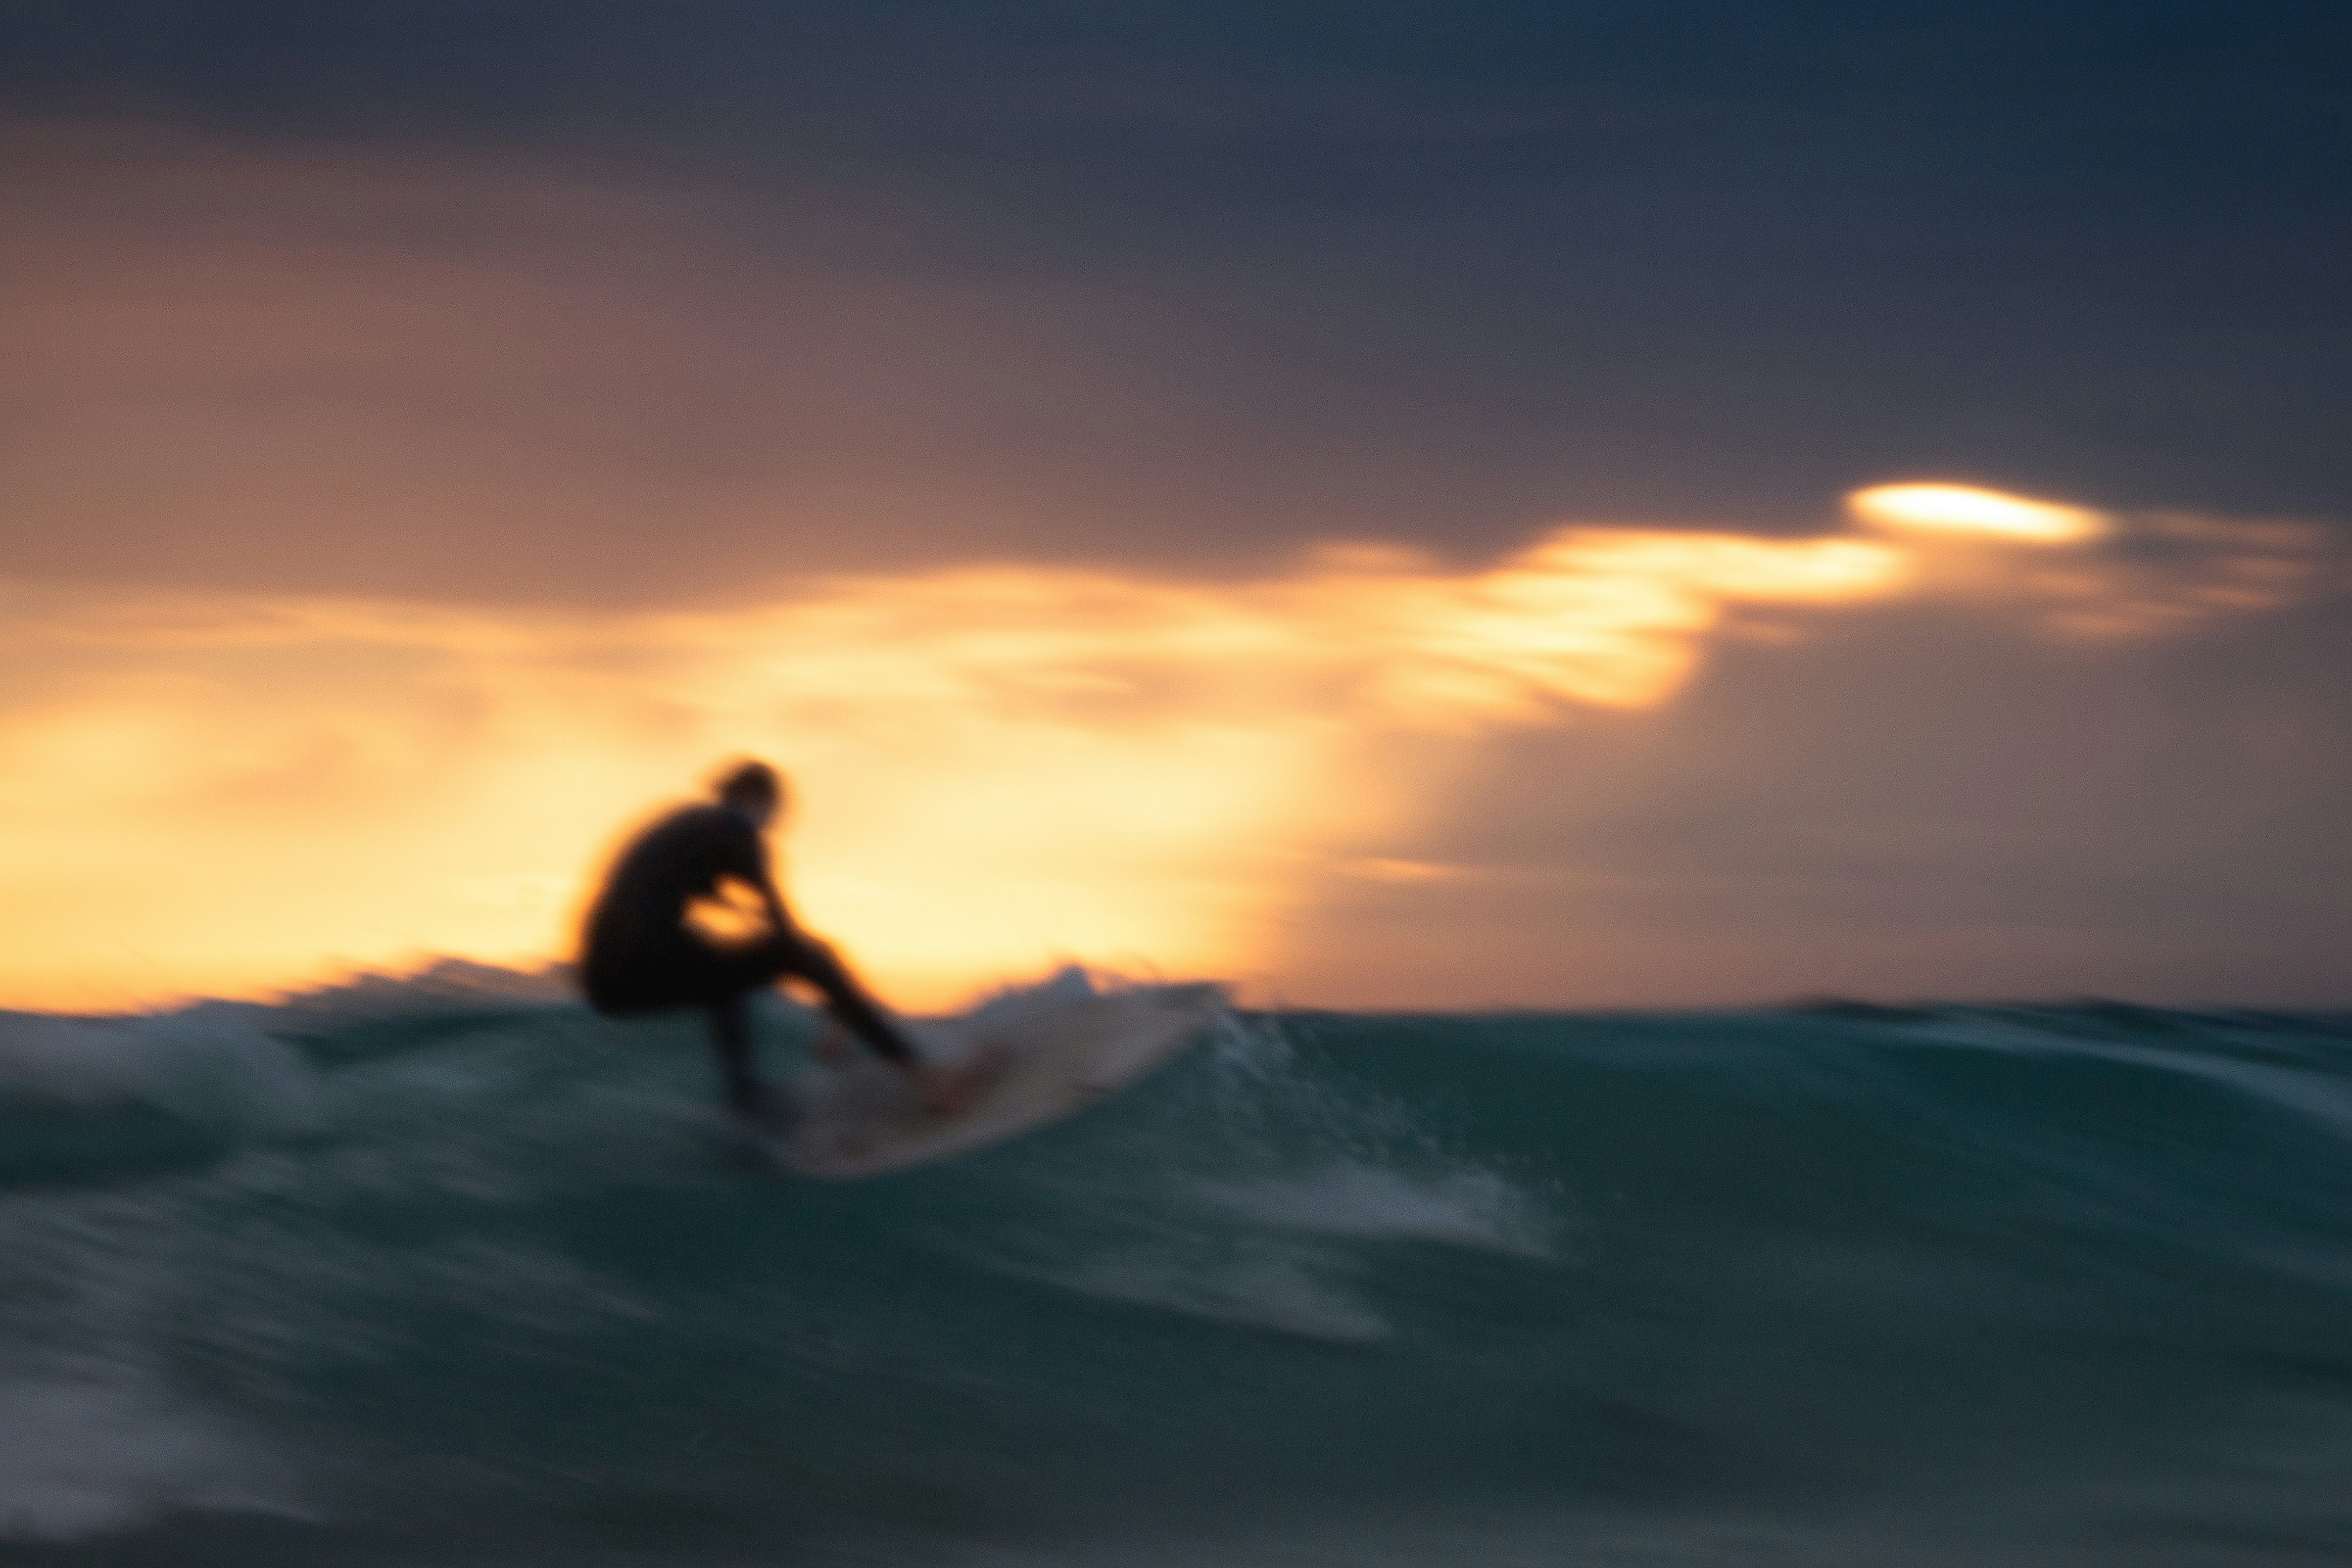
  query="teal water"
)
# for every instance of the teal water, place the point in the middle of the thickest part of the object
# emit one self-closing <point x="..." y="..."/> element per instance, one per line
<point x="449" y="1272"/>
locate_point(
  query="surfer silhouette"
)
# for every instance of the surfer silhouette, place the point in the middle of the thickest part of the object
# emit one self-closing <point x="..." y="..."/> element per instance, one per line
<point x="642" y="955"/>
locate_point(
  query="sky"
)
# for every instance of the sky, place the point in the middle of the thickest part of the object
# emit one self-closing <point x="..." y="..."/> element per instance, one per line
<point x="1387" y="505"/>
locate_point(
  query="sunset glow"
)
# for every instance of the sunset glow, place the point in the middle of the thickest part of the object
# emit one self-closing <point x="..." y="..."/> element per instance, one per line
<point x="1959" y="509"/>
<point x="995" y="766"/>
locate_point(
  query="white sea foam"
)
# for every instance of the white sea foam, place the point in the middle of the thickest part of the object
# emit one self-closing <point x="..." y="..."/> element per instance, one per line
<point x="187" y="1064"/>
<point x="1294" y="1276"/>
<point x="1468" y="1208"/>
<point x="1263" y="1291"/>
<point x="1252" y="1215"/>
<point x="80" y="1458"/>
<point x="2304" y="1093"/>
<point x="444" y="987"/>
<point x="1006" y="1011"/>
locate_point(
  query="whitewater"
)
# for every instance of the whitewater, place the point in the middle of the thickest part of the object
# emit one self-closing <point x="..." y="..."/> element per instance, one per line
<point x="447" y="1270"/>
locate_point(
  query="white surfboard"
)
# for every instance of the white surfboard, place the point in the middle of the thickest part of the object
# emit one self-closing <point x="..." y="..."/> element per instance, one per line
<point x="1064" y="1048"/>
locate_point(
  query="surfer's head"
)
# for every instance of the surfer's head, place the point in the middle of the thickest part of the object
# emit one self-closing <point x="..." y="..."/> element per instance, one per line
<point x="753" y="788"/>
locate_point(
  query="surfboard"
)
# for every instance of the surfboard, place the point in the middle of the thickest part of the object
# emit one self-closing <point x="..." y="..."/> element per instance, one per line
<point x="1063" y="1049"/>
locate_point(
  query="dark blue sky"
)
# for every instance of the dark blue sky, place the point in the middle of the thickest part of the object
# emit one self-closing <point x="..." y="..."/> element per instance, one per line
<point x="1668" y="261"/>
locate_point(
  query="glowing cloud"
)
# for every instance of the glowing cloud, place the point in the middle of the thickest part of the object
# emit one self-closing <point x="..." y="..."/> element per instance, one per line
<point x="995" y="766"/>
<point x="1960" y="509"/>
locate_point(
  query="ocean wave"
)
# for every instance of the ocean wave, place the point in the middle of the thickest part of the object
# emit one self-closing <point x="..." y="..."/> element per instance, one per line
<point x="82" y="1459"/>
<point x="1462" y="1207"/>
<point x="1658" y="1278"/>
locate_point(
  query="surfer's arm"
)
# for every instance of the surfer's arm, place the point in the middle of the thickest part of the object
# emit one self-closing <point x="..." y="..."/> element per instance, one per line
<point x="818" y="965"/>
<point x="945" y="1090"/>
<point x="762" y="881"/>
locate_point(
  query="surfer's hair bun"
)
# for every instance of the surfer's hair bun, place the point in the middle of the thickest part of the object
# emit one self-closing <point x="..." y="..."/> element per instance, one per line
<point x="751" y="783"/>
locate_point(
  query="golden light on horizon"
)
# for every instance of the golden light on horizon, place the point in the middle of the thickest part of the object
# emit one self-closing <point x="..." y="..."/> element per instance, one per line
<point x="1962" y="509"/>
<point x="995" y="768"/>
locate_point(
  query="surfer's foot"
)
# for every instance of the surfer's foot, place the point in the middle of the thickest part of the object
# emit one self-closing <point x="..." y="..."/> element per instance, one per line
<point x="950" y="1090"/>
<point x="940" y="1089"/>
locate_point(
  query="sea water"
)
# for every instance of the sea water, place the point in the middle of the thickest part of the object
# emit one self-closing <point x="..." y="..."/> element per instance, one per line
<point x="448" y="1272"/>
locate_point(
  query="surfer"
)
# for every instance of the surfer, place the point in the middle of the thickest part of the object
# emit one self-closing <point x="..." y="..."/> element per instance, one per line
<point x="641" y="955"/>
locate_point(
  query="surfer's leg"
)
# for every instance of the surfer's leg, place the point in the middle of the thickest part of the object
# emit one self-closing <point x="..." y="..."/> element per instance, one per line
<point x="848" y="1002"/>
<point x="731" y="1036"/>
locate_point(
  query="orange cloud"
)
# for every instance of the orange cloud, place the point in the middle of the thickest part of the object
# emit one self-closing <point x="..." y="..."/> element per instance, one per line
<point x="996" y="766"/>
<point x="1962" y="509"/>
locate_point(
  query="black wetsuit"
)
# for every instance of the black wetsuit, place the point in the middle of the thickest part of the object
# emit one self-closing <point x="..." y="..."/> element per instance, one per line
<point x="641" y="956"/>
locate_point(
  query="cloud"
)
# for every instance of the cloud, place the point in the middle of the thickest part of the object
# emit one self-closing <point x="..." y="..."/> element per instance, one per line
<point x="2166" y="570"/>
<point x="998" y="764"/>
<point x="444" y="372"/>
<point x="383" y="525"/>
